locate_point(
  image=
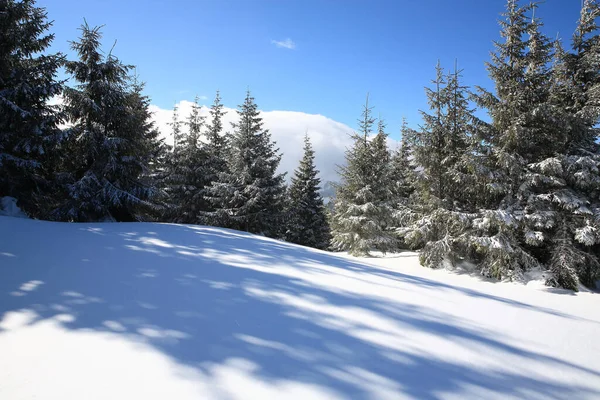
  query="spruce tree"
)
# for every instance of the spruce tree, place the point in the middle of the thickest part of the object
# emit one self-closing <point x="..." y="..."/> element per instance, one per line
<point x="103" y="171"/>
<point x="305" y="212"/>
<point x="438" y="210"/>
<point x="28" y="125"/>
<point x="541" y="212"/>
<point x="189" y="172"/>
<point x="151" y="151"/>
<point x="249" y="195"/>
<point x="560" y="189"/>
<point x="363" y="204"/>
<point x="217" y="144"/>
<point x="402" y="168"/>
<point x="171" y="179"/>
<point x="492" y="237"/>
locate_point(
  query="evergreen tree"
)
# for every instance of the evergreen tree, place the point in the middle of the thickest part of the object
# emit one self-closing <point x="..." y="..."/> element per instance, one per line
<point x="102" y="173"/>
<point x="175" y="125"/>
<point x="151" y="151"/>
<point x="540" y="209"/>
<point x="249" y="195"/>
<point x="439" y="208"/>
<point x="402" y="169"/>
<point x="561" y="188"/>
<point x="171" y="178"/>
<point x="28" y="125"/>
<point x="217" y="145"/>
<point x="189" y="171"/>
<point x="363" y="204"/>
<point x="430" y="151"/>
<point x="306" y="220"/>
<point x="493" y="237"/>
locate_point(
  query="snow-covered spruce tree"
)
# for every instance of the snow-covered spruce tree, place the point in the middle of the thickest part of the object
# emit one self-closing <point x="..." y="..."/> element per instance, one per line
<point x="28" y="125"/>
<point x="102" y="172"/>
<point x="216" y="141"/>
<point x="151" y="151"/>
<point x="403" y="176"/>
<point x="249" y="195"/>
<point x="492" y="237"/>
<point x="306" y="223"/>
<point x="188" y="174"/>
<point x="402" y="168"/>
<point x="216" y="150"/>
<point x="170" y="177"/>
<point x="439" y="209"/>
<point x="561" y="188"/>
<point x="175" y="125"/>
<point x="514" y="230"/>
<point x="363" y="204"/>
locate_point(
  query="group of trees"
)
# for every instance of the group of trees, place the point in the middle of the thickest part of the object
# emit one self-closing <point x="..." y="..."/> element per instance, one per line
<point x="98" y="156"/>
<point x="519" y="191"/>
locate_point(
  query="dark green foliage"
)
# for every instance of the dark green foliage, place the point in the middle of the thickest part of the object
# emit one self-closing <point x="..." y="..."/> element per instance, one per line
<point x="438" y="210"/>
<point x="28" y="124"/>
<point x="188" y="174"/>
<point x="307" y="224"/>
<point x="363" y="206"/>
<point x="249" y="195"/>
<point x="111" y="141"/>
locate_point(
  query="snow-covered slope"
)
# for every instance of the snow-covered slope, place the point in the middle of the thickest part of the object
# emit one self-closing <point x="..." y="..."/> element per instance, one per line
<point x="155" y="311"/>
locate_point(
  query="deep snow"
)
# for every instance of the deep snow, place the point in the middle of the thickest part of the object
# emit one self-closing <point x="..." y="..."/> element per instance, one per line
<point x="158" y="311"/>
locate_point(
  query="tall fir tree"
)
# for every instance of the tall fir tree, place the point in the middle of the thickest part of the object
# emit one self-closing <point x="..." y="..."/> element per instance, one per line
<point x="28" y="124"/>
<point x="492" y="237"/>
<point x="537" y="216"/>
<point x="171" y="177"/>
<point x="306" y="223"/>
<point x="402" y="168"/>
<point x="560" y="188"/>
<point x="439" y="207"/>
<point x="217" y="144"/>
<point x="249" y="195"/>
<point x="363" y="204"/>
<point x="189" y="171"/>
<point x="151" y="151"/>
<point x="102" y="175"/>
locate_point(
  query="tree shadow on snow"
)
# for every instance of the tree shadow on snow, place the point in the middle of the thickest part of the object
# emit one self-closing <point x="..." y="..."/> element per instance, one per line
<point x="204" y="296"/>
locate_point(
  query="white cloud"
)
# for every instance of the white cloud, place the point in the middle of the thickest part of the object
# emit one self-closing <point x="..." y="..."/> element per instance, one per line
<point x="329" y="138"/>
<point x="285" y="44"/>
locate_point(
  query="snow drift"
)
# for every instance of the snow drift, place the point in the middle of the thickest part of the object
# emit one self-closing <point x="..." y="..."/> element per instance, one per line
<point x="155" y="311"/>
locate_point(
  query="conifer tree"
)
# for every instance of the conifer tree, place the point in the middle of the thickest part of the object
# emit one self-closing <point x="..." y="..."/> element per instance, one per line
<point x="402" y="169"/>
<point x="306" y="220"/>
<point x="187" y="179"/>
<point x="249" y="195"/>
<point x="540" y="215"/>
<point x="102" y="173"/>
<point x="150" y="151"/>
<point x="363" y="204"/>
<point x="171" y="179"/>
<point x="439" y="208"/>
<point x="560" y="188"/>
<point x="175" y="125"/>
<point x="216" y="142"/>
<point x="28" y="125"/>
<point x="492" y="238"/>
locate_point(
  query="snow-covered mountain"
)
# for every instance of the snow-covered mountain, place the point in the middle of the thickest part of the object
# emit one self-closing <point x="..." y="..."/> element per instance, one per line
<point x="157" y="311"/>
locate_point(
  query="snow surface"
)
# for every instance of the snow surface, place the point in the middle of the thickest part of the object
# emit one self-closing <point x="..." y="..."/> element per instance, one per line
<point x="9" y="208"/>
<point x="159" y="311"/>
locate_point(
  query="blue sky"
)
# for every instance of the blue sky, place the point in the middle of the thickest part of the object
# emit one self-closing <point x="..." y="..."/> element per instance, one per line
<point x="342" y="48"/>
